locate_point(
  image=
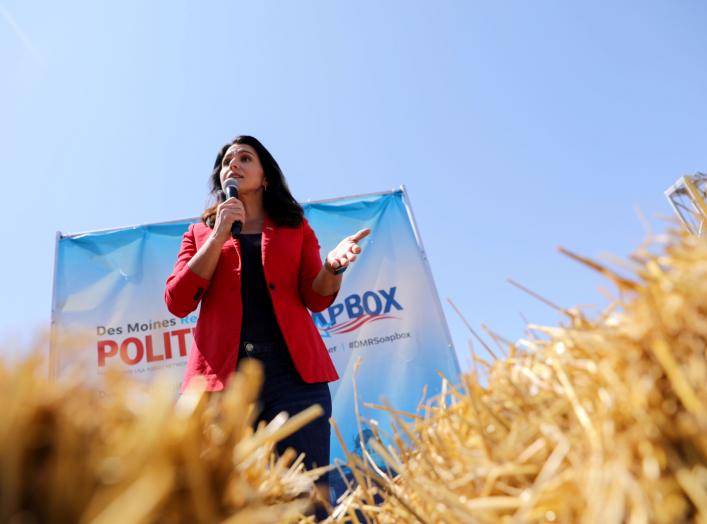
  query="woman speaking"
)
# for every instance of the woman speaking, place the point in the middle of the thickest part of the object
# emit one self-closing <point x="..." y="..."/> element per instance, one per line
<point x="256" y="288"/>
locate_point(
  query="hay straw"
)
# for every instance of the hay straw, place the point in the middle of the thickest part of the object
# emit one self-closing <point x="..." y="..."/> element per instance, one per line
<point x="595" y="421"/>
<point x="67" y="455"/>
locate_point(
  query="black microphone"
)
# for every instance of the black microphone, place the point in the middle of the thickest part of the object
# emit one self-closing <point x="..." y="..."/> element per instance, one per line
<point x="230" y="187"/>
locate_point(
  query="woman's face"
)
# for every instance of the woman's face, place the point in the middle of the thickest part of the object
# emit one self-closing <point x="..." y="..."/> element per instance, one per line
<point x="242" y="163"/>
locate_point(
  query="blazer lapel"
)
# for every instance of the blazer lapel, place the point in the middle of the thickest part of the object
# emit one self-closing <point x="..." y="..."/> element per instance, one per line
<point x="231" y="251"/>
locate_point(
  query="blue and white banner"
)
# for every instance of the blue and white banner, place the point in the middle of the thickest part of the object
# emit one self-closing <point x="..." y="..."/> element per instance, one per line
<point x="108" y="308"/>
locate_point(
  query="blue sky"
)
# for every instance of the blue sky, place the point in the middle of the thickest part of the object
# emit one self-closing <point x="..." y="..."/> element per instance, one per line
<point x="516" y="127"/>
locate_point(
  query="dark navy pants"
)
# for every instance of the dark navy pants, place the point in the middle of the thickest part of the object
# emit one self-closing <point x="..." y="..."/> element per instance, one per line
<point x="284" y="390"/>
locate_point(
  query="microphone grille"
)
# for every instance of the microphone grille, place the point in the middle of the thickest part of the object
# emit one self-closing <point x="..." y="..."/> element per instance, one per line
<point x="229" y="182"/>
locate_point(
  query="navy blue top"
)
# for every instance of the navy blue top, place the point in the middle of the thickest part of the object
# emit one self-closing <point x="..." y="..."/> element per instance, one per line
<point x="259" y="321"/>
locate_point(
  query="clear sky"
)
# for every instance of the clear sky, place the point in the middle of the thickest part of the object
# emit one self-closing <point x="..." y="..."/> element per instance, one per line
<point x="516" y="126"/>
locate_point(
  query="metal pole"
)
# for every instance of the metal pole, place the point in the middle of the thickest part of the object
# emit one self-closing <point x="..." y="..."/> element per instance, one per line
<point x="675" y="188"/>
<point x="363" y="195"/>
<point x="194" y="219"/>
<point x="52" y="365"/>
<point x="111" y="229"/>
<point x="428" y="269"/>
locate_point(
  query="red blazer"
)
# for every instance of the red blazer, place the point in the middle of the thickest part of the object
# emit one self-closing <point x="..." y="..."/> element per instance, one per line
<point x="291" y="262"/>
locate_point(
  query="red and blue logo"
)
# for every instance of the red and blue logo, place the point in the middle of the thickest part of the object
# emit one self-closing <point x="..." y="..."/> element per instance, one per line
<point x="356" y="311"/>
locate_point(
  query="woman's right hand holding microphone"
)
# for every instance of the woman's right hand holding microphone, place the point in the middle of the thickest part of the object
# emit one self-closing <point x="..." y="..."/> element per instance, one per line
<point x="228" y="212"/>
<point x="203" y="263"/>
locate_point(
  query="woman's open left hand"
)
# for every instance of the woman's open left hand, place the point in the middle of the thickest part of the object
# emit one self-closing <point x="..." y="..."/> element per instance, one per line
<point x="347" y="250"/>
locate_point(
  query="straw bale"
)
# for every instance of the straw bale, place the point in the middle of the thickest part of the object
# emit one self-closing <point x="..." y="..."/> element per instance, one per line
<point x="598" y="420"/>
<point x="68" y="454"/>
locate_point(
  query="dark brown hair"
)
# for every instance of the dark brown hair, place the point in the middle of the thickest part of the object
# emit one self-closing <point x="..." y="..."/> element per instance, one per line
<point x="280" y="206"/>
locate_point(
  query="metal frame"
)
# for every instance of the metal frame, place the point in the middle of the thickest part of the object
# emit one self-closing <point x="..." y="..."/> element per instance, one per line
<point x="428" y="269"/>
<point x="110" y="229"/>
<point x="52" y="364"/>
<point x="362" y="195"/>
<point x="688" y="186"/>
<point x="176" y="221"/>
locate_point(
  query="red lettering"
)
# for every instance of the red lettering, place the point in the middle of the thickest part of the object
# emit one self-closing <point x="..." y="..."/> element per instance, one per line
<point x="151" y="357"/>
<point x="139" y="351"/>
<point x="134" y="350"/>
<point x="181" y="333"/>
<point x="106" y="348"/>
<point x="167" y="345"/>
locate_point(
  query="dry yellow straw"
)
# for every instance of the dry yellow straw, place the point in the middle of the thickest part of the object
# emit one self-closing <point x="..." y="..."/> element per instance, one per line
<point x="68" y="455"/>
<point x="596" y="421"/>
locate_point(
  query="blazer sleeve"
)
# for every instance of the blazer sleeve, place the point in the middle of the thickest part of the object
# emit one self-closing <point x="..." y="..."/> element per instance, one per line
<point x="184" y="288"/>
<point x="310" y="265"/>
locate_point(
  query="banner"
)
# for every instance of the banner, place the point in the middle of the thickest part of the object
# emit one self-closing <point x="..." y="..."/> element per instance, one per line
<point x="108" y="309"/>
